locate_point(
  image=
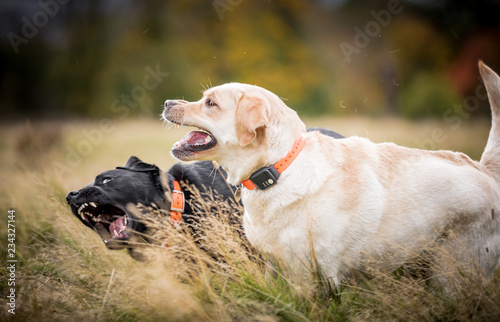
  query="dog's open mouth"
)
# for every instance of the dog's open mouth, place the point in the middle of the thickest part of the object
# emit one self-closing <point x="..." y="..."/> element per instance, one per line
<point x="109" y="221"/>
<point x="195" y="141"/>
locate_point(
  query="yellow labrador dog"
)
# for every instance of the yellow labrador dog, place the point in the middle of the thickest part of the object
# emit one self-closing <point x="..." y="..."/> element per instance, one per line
<point x="343" y="204"/>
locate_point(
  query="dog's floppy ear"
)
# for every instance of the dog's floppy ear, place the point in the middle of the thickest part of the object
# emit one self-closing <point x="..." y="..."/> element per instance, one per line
<point x="134" y="162"/>
<point x="137" y="165"/>
<point x="251" y="114"/>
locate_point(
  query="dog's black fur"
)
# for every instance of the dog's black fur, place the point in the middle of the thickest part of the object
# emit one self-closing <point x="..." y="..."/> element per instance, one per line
<point x="326" y="132"/>
<point x="140" y="183"/>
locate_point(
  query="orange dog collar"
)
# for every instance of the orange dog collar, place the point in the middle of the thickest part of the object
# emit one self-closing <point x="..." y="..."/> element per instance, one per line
<point x="268" y="176"/>
<point x="178" y="203"/>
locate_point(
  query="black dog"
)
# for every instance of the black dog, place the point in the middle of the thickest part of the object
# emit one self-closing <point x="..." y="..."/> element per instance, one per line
<point x="102" y="205"/>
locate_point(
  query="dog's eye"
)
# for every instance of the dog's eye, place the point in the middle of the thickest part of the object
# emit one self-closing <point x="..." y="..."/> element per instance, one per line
<point x="106" y="180"/>
<point x="210" y="103"/>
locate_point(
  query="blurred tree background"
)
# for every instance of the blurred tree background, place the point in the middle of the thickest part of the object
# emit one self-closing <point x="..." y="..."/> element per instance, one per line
<point x="115" y="58"/>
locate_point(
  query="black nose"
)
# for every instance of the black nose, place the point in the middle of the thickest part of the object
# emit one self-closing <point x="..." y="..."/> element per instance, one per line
<point x="70" y="195"/>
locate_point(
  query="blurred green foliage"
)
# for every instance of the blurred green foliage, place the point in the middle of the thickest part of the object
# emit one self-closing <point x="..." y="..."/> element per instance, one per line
<point x="95" y="58"/>
<point x="426" y="95"/>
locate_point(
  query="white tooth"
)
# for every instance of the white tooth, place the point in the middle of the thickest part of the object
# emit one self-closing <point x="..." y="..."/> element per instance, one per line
<point x="93" y="204"/>
<point x="208" y="139"/>
<point x="126" y="220"/>
<point x="83" y="217"/>
<point x="115" y="233"/>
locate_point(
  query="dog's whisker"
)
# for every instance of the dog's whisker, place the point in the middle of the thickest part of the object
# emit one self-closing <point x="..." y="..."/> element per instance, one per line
<point x="214" y="174"/>
<point x="167" y="125"/>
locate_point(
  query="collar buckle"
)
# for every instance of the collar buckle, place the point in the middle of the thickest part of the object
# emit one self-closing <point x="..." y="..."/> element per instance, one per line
<point x="178" y="204"/>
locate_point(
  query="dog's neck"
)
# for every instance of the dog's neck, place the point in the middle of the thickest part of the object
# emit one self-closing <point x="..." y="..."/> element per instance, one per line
<point x="264" y="152"/>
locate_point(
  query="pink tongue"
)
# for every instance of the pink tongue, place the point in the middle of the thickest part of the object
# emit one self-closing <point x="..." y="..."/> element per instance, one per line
<point x="195" y="137"/>
<point x="119" y="226"/>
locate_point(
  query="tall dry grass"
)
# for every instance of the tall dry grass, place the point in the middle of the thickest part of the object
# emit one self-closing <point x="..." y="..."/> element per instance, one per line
<point x="65" y="272"/>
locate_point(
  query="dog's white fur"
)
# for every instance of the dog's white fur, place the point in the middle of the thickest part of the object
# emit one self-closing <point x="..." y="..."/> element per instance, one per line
<point x="348" y="204"/>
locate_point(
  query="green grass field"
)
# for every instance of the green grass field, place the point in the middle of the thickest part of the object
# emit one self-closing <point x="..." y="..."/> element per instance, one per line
<point x="64" y="272"/>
